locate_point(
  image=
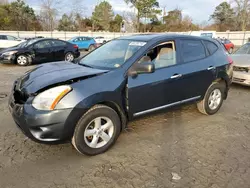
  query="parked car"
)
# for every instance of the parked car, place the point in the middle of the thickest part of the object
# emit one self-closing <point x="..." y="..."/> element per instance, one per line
<point x="100" y="40"/>
<point x="39" y="51"/>
<point x="228" y="45"/>
<point x="84" y="43"/>
<point x="7" y="41"/>
<point x="91" y="102"/>
<point x="241" y="67"/>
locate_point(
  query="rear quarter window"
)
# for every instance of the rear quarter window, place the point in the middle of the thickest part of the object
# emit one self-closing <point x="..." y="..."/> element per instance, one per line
<point x="211" y="47"/>
<point x="192" y="50"/>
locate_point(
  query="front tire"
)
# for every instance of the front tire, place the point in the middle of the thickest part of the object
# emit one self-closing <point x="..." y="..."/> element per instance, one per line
<point x="97" y="130"/>
<point x="213" y="99"/>
<point x="23" y="60"/>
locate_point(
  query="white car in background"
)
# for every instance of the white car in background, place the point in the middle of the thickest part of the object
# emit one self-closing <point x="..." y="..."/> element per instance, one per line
<point x="100" y="40"/>
<point x="7" y="41"/>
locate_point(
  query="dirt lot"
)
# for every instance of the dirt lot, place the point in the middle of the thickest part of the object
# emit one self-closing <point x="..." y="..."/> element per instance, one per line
<point x="203" y="151"/>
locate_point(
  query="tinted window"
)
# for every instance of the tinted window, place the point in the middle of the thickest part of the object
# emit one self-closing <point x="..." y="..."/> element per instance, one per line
<point x="212" y="48"/>
<point x="43" y="44"/>
<point x="58" y="43"/>
<point x="192" y="50"/>
<point x="11" y="38"/>
<point x="3" y="37"/>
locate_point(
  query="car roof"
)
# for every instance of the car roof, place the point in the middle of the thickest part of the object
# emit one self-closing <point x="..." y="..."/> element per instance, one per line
<point x="149" y="37"/>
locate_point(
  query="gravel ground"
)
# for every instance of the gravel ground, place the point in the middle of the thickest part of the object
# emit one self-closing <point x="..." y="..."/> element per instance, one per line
<point x="178" y="148"/>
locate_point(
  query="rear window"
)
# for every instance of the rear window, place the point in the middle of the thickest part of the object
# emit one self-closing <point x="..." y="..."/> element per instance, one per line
<point x="212" y="48"/>
<point x="192" y="50"/>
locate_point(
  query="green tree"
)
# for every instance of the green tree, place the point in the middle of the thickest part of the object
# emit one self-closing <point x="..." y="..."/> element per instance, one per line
<point x="102" y="15"/>
<point x="145" y="9"/>
<point x="115" y="25"/>
<point x="66" y="23"/>
<point x="18" y="16"/>
<point x="224" y="16"/>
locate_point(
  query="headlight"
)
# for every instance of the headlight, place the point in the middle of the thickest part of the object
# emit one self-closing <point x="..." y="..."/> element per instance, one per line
<point x="48" y="99"/>
<point x="10" y="53"/>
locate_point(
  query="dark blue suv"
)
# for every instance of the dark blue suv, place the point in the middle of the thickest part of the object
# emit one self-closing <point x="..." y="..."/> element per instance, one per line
<point x="91" y="102"/>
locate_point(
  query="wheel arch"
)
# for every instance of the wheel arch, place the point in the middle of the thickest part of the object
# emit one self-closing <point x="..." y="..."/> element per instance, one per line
<point x="28" y="55"/>
<point x="224" y="78"/>
<point x="119" y="111"/>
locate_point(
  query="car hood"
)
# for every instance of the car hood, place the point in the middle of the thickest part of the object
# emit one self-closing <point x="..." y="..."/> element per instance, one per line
<point x="54" y="73"/>
<point x="242" y="60"/>
<point x="9" y="49"/>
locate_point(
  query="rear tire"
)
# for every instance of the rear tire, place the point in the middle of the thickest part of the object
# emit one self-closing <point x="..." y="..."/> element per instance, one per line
<point x="97" y="130"/>
<point x="213" y="99"/>
<point x="69" y="57"/>
<point x="91" y="48"/>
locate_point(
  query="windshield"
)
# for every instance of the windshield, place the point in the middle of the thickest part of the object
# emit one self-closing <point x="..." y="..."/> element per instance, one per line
<point x="245" y="49"/>
<point x="112" y="54"/>
<point x="27" y="43"/>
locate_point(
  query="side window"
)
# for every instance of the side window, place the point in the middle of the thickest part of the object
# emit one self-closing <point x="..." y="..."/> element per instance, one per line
<point x="212" y="48"/>
<point x="3" y="37"/>
<point x="163" y="55"/>
<point x="42" y="44"/>
<point x="11" y="38"/>
<point x="58" y="43"/>
<point x="76" y="40"/>
<point x="192" y="50"/>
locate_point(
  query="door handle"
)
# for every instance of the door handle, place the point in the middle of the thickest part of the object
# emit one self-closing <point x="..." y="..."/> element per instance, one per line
<point x="176" y="76"/>
<point x="211" y="68"/>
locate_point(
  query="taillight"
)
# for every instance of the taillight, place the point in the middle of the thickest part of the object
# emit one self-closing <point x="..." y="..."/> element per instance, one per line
<point x="230" y="60"/>
<point x="75" y="46"/>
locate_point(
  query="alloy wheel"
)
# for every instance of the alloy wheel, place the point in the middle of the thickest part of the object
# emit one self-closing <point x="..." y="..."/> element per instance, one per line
<point x="214" y="99"/>
<point x="22" y="60"/>
<point x="69" y="57"/>
<point x="99" y="132"/>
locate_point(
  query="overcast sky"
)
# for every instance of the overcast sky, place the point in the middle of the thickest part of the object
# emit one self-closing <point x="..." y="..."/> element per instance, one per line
<point x="199" y="10"/>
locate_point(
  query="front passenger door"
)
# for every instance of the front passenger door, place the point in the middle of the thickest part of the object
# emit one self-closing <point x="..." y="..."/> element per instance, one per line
<point x="158" y="90"/>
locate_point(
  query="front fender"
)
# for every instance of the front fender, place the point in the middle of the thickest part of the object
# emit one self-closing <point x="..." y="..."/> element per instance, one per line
<point x="83" y="106"/>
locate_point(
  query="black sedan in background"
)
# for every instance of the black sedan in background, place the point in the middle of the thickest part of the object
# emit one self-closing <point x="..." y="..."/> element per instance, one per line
<point x="40" y="51"/>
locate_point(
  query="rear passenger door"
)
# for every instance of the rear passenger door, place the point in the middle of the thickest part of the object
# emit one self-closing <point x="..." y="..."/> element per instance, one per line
<point x="58" y="50"/>
<point x="198" y="66"/>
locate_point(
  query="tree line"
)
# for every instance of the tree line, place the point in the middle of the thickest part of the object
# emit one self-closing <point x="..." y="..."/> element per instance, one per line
<point x="233" y="17"/>
<point x="147" y="16"/>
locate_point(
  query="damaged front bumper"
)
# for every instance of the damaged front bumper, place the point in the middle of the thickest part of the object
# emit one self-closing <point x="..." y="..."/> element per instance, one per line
<point x="40" y="126"/>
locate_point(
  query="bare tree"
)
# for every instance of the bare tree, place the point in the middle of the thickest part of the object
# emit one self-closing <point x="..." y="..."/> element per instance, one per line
<point x="48" y="13"/>
<point x="78" y="8"/>
<point x="243" y="13"/>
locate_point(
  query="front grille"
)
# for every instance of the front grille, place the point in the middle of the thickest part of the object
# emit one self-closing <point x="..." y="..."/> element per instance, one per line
<point x="241" y="69"/>
<point x="238" y="80"/>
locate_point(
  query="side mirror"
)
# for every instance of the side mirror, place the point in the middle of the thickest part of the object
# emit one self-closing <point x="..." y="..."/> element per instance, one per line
<point x="141" y="68"/>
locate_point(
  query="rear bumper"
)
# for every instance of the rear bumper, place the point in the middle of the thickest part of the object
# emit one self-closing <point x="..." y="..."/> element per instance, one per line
<point x="40" y="126"/>
<point x="242" y="78"/>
